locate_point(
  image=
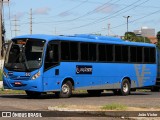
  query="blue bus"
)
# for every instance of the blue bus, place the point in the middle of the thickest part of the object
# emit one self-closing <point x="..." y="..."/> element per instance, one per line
<point x="47" y="63"/>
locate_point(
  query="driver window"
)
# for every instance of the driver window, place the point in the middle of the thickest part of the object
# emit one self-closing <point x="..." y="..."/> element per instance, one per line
<point x="49" y="63"/>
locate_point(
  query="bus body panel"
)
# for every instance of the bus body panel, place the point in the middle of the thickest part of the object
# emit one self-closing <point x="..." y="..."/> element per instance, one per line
<point x="24" y="81"/>
<point x="103" y="76"/>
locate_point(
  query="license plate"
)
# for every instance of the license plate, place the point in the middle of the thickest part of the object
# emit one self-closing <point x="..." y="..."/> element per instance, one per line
<point x="18" y="83"/>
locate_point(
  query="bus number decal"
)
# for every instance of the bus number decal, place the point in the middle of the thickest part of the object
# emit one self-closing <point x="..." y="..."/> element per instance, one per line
<point x="83" y="69"/>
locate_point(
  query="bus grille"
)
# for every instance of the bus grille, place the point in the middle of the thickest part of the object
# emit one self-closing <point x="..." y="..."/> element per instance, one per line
<point x="19" y="77"/>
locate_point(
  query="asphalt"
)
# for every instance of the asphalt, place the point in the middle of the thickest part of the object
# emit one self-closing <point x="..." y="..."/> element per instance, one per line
<point x="23" y="103"/>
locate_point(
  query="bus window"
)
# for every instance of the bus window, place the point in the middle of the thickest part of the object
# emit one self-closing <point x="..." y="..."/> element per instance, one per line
<point x="102" y="52"/>
<point x="109" y="52"/>
<point x="84" y="51"/>
<point x="74" y="51"/>
<point x="133" y="54"/>
<point x="118" y="53"/>
<point x="152" y="55"/>
<point x="139" y="54"/>
<point x="92" y="52"/>
<point x="146" y="55"/>
<point x="125" y="54"/>
<point x="51" y="62"/>
<point x="65" y="51"/>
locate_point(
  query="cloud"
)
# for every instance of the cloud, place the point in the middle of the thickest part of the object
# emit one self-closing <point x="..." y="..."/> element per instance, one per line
<point x="106" y="8"/>
<point x="42" y="11"/>
<point x="64" y="14"/>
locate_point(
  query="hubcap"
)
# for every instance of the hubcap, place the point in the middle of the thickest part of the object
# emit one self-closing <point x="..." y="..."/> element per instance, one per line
<point x="125" y="87"/>
<point x="65" y="88"/>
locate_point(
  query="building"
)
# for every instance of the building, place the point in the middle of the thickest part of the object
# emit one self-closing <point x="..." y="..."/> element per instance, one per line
<point x="153" y="39"/>
<point x="145" y="31"/>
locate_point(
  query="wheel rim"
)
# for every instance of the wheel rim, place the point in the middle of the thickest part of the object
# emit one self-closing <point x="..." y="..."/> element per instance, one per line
<point x="65" y="89"/>
<point x="125" y="87"/>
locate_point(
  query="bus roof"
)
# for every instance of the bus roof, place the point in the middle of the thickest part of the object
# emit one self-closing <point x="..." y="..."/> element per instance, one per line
<point x="84" y="38"/>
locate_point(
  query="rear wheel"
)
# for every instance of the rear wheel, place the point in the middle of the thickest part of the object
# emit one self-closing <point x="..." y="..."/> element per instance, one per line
<point x="66" y="90"/>
<point x="125" y="87"/>
<point x="33" y="94"/>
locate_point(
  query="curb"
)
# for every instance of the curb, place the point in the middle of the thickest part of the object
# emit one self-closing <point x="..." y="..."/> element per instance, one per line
<point x="1" y="84"/>
<point x="82" y="112"/>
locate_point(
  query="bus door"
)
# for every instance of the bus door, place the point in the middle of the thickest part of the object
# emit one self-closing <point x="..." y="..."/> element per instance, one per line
<point x="51" y="68"/>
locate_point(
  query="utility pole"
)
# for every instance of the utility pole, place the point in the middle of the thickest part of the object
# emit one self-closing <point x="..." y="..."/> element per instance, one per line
<point x="127" y="17"/>
<point x="31" y="21"/>
<point x="1" y="26"/>
<point x="1" y="6"/>
<point x="15" y="25"/>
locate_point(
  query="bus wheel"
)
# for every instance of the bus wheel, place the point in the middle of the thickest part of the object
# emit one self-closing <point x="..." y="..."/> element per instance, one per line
<point x="66" y="90"/>
<point x="33" y="94"/>
<point x="125" y="87"/>
<point x="94" y="92"/>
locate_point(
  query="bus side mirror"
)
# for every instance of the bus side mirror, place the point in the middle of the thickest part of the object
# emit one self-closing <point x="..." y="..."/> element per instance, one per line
<point x="51" y="54"/>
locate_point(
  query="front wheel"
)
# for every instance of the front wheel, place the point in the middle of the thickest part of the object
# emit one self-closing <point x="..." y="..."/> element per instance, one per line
<point x="66" y="90"/>
<point x="125" y="87"/>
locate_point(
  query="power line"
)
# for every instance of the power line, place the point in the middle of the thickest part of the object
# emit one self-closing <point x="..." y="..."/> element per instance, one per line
<point x="82" y="16"/>
<point x="103" y="19"/>
<point x="134" y="20"/>
<point x="92" y="12"/>
<point x="66" y="11"/>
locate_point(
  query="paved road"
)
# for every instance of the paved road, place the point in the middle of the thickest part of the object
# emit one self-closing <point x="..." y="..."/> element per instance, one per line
<point x="22" y="102"/>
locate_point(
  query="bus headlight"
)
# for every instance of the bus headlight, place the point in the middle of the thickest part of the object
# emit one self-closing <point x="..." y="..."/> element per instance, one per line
<point x="5" y="74"/>
<point x="36" y="75"/>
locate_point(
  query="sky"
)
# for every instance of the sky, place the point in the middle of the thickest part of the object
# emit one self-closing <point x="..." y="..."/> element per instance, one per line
<point x="68" y="17"/>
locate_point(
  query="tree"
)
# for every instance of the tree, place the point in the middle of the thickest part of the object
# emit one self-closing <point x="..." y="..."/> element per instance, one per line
<point x="158" y="37"/>
<point x="132" y="37"/>
<point x="3" y="39"/>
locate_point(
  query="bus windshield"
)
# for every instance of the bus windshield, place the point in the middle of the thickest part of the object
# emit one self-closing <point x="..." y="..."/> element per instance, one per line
<point x="24" y="54"/>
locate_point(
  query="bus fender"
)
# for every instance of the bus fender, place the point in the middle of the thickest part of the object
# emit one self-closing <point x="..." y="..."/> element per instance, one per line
<point x="68" y="79"/>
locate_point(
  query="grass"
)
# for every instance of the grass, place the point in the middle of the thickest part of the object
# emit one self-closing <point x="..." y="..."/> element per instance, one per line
<point x="5" y="92"/>
<point x="79" y="91"/>
<point x="114" y="106"/>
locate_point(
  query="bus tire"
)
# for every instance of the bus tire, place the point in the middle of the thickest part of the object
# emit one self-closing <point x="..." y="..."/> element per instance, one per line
<point x="94" y="92"/>
<point x="66" y="90"/>
<point x="125" y="87"/>
<point x="33" y="94"/>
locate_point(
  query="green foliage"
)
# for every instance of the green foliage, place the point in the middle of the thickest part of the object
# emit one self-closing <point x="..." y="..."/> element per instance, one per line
<point x="6" y="92"/>
<point x="114" y="106"/>
<point x="158" y="37"/>
<point x="131" y="36"/>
